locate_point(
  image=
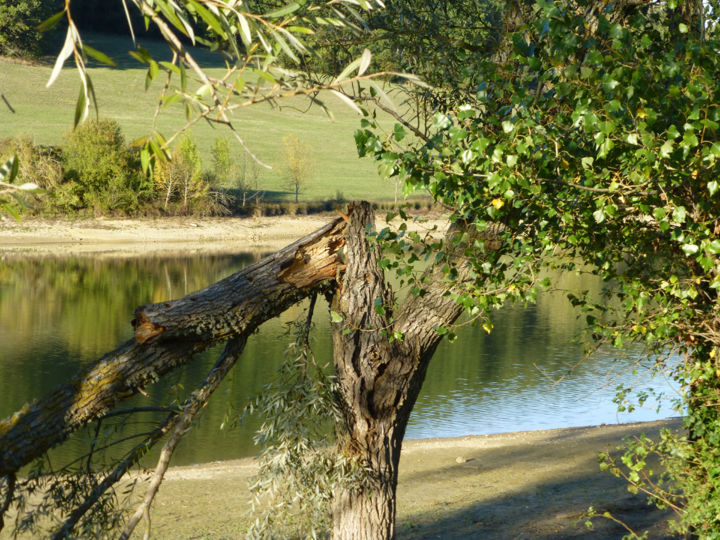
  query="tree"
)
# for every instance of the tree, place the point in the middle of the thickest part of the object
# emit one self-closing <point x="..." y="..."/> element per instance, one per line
<point x="549" y="158"/>
<point x="298" y="163"/>
<point x="381" y="355"/>
<point x="19" y="19"/>
<point x="594" y="138"/>
<point x="382" y="349"/>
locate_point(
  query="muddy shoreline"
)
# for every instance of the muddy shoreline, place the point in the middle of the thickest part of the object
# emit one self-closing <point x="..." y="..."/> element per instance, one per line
<point x="186" y="235"/>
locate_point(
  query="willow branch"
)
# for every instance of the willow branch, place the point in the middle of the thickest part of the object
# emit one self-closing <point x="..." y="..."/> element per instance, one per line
<point x="174" y="421"/>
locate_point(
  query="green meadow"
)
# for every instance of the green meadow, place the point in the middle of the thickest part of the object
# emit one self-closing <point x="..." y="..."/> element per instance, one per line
<point x="46" y="114"/>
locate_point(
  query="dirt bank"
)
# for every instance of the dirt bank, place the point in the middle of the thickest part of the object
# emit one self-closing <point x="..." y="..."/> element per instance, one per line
<point x="526" y="485"/>
<point x="128" y="237"/>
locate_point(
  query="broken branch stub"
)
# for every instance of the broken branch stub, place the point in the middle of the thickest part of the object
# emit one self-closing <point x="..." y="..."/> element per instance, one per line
<point x="230" y="306"/>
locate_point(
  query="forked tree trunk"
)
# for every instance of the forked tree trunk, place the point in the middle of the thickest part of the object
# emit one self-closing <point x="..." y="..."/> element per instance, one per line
<point x="379" y="378"/>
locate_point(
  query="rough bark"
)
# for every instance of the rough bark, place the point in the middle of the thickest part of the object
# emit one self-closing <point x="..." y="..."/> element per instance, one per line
<point x="167" y="335"/>
<point x="380" y="379"/>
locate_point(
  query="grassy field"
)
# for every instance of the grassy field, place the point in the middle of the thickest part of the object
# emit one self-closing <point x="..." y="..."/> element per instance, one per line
<point x="46" y="114"/>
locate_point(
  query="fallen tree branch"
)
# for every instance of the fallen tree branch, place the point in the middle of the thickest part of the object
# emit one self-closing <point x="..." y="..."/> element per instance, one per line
<point x="168" y="335"/>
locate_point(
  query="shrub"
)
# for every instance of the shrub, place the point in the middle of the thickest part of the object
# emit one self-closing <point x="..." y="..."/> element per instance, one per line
<point x="105" y="171"/>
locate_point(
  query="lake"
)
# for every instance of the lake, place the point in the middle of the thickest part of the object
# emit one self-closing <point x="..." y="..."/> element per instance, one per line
<point x="58" y="315"/>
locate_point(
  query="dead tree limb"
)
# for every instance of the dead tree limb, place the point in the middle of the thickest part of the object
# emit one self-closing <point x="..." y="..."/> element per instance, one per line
<point x="198" y="399"/>
<point x="168" y="335"/>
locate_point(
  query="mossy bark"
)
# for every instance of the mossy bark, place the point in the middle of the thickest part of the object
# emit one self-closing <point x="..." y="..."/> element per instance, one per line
<point x="168" y="335"/>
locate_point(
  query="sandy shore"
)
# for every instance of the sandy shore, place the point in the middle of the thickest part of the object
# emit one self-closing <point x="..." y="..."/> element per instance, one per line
<point x="128" y="237"/>
<point x="525" y="485"/>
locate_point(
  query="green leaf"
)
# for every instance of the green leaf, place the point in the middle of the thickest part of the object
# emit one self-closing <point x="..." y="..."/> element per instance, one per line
<point x="335" y="317"/>
<point x="81" y="107"/>
<point x="364" y="61"/>
<point x="348" y="101"/>
<point x="377" y="89"/>
<point x="98" y="55"/>
<point x="245" y="32"/>
<point x="141" y="55"/>
<point x="355" y="64"/>
<point x="9" y="170"/>
<point x="690" y="139"/>
<point x="50" y="22"/>
<point x="145" y="159"/>
<point x="679" y="214"/>
<point x="65" y="52"/>
<point x="210" y="19"/>
<point x="170" y="66"/>
<point x="713" y="247"/>
<point x="284" y="45"/>
<point x="599" y="215"/>
<point x="286" y="10"/>
<point x="690" y="249"/>
<point x="667" y="148"/>
<point x="172" y="15"/>
<point x="712" y="187"/>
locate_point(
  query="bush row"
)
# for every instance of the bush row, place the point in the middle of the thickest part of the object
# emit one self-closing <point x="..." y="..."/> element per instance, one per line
<point x="94" y="172"/>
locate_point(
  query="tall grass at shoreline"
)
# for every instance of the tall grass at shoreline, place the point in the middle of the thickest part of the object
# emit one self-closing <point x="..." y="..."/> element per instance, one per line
<point x="46" y="114"/>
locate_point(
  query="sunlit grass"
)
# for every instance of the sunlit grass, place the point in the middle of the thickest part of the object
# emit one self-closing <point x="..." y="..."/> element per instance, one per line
<point x="46" y="114"/>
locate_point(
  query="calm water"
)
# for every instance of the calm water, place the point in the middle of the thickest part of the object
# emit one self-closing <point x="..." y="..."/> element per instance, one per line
<point x="60" y="314"/>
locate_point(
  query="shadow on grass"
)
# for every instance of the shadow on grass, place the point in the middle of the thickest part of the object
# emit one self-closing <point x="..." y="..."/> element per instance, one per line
<point x="539" y="513"/>
<point x="118" y="48"/>
<point x="532" y="488"/>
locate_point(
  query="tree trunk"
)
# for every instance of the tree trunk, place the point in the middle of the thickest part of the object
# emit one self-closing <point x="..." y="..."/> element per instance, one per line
<point x="379" y="377"/>
<point x="368" y="512"/>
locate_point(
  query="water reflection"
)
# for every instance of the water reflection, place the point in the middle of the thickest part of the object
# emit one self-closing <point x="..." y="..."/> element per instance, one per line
<point x="58" y="315"/>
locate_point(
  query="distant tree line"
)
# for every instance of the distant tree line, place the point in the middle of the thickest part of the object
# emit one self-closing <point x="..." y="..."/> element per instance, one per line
<point x="408" y="35"/>
<point x="19" y="20"/>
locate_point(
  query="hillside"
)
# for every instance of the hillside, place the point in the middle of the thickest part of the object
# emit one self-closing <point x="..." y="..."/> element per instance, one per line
<point x="46" y="114"/>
